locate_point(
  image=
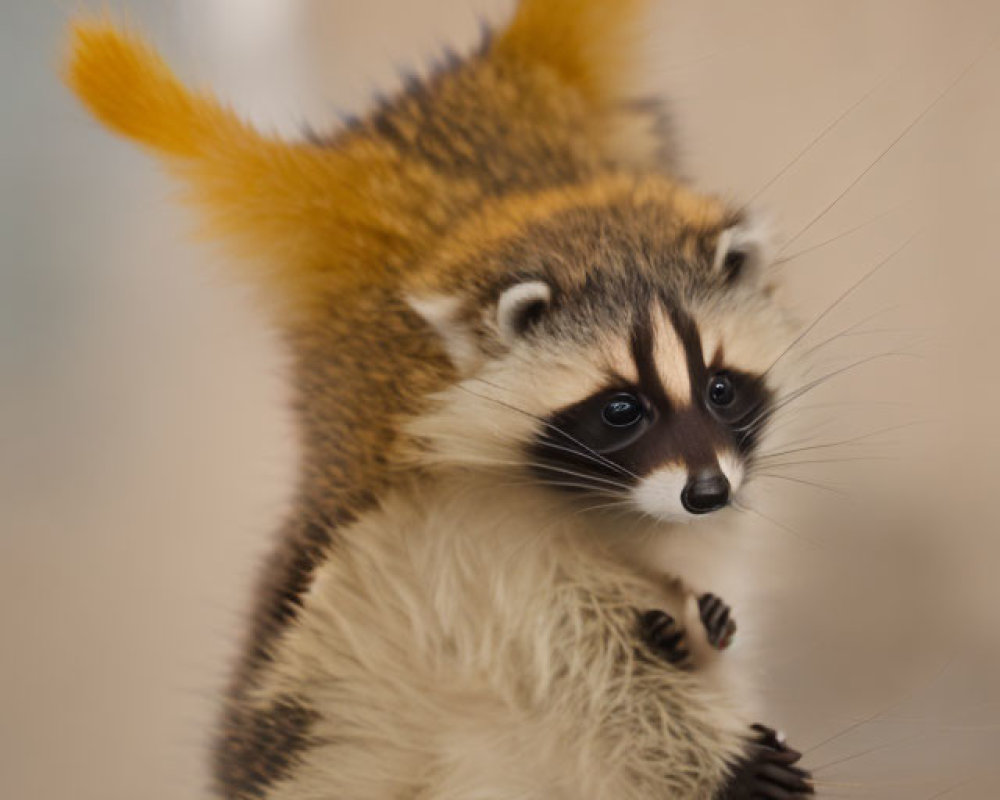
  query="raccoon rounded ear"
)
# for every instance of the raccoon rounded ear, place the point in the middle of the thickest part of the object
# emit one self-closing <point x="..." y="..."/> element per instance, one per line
<point x="742" y="251"/>
<point x="520" y="306"/>
<point x="444" y="315"/>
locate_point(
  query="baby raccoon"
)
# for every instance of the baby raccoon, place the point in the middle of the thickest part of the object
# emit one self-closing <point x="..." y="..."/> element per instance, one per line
<point x="525" y="356"/>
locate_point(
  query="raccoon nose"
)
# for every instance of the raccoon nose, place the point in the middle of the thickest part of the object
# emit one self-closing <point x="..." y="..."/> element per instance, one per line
<point x="705" y="492"/>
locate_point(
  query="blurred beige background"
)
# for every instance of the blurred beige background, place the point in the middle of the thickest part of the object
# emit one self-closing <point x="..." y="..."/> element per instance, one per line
<point x="145" y="453"/>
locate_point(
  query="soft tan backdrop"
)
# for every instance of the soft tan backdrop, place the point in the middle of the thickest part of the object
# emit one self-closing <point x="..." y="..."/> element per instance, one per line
<point x="145" y="454"/>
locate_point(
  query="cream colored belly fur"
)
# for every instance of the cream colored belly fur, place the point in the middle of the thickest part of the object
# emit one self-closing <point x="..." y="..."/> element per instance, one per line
<point x="476" y="642"/>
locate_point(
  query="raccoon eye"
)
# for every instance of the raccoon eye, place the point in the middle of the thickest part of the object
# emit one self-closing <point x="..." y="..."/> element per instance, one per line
<point x="623" y="411"/>
<point x="720" y="391"/>
<point x="734" y="263"/>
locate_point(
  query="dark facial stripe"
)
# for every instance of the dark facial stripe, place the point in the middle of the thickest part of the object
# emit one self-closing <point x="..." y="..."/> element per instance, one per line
<point x="687" y="332"/>
<point x="643" y="349"/>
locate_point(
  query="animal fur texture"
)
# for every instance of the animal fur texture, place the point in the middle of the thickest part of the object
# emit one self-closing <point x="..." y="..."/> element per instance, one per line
<point x="505" y="315"/>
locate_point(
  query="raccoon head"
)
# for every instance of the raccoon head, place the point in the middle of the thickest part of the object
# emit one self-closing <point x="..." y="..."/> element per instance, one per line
<point x="615" y="342"/>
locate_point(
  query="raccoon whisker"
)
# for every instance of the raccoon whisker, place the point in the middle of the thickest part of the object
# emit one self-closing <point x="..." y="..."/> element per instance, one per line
<point x="808" y="387"/>
<point x="952" y="789"/>
<point x="587" y="451"/>
<point x="601" y="461"/>
<point x="893" y="331"/>
<point x="840" y="299"/>
<point x="839" y="236"/>
<point x="795" y="416"/>
<point x="811" y="438"/>
<point x="574" y="485"/>
<point x="593" y="482"/>
<point x="607" y="462"/>
<point x="492" y="384"/>
<point x="593" y="479"/>
<point x="914" y="785"/>
<point x="843" y="442"/>
<point x="885" y="710"/>
<point x="817" y="139"/>
<point x="757" y="421"/>
<point x="813" y="484"/>
<point x="619" y="505"/>
<point x="795" y="394"/>
<point x="870" y="750"/>
<point x="847" y="788"/>
<point x="769" y="464"/>
<point x="921" y="116"/>
<point x="911" y="349"/>
<point x="582" y="475"/>
<point x="862" y="403"/>
<point x="780" y="525"/>
<point x="561" y="485"/>
<point x="789" y="419"/>
<point x="851" y="330"/>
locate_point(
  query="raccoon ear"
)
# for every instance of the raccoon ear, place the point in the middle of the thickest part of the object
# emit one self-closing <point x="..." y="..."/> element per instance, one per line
<point x="516" y="310"/>
<point x="742" y="251"/>
<point x="520" y="306"/>
<point x="444" y="314"/>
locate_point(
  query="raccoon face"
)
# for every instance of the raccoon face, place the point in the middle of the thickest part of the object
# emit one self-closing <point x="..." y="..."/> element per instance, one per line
<point x="627" y="360"/>
<point x="673" y="424"/>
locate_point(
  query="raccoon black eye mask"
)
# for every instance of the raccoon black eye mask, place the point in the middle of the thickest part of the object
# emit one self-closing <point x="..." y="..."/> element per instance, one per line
<point x="636" y="428"/>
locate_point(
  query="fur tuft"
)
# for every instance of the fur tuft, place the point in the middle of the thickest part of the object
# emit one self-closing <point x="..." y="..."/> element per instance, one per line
<point x="590" y="44"/>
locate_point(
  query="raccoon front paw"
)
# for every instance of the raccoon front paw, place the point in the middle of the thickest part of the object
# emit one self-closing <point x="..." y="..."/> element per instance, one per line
<point x="717" y="618"/>
<point x="665" y="637"/>
<point x="768" y="771"/>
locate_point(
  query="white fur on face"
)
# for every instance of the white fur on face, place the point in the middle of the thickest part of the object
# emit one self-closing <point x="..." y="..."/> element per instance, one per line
<point x="750" y="342"/>
<point x="732" y="467"/>
<point x="486" y="419"/>
<point x="659" y="494"/>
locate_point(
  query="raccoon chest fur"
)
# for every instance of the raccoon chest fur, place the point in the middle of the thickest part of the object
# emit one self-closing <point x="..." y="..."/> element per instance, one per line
<point x="472" y="636"/>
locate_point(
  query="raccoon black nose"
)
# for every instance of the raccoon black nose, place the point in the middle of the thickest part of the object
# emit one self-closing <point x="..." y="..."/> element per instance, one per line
<point x="707" y="491"/>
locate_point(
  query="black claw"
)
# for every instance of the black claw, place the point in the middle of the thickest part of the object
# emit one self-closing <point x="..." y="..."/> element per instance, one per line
<point x="716" y="616"/>
<point x="769" y="737"/>
<point x="662" y="634"/>
<point x="768" y="771"/>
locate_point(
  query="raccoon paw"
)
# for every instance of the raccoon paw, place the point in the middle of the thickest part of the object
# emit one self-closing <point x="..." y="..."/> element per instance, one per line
<point x="768" y="771"/>
<point x="665" y="637"/>
<point x="716" y="616"/>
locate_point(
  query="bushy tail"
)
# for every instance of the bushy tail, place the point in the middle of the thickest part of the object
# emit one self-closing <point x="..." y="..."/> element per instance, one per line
<point x="130" y="88"/>
<point x="307" y="220"/>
